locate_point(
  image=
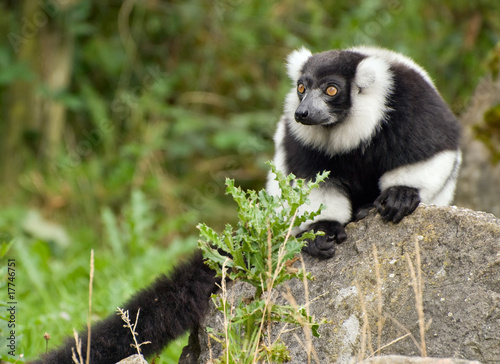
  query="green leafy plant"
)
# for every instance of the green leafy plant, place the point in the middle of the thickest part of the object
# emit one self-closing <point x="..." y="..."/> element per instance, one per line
<point x="259" y="251"/>
<point x="136" y="227"/>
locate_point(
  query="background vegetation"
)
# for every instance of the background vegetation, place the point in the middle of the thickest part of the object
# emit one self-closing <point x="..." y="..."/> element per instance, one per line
<point x="120" y="120"/>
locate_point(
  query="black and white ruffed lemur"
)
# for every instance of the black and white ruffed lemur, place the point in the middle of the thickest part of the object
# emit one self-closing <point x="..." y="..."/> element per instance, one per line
<point x="371" y="117"/>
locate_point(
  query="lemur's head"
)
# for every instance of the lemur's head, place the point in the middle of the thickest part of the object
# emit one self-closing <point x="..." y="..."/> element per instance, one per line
<point x="328" y="83"/>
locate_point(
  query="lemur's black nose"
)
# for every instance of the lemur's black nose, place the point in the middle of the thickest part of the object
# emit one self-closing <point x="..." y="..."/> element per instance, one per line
<point x="301" y="114"/>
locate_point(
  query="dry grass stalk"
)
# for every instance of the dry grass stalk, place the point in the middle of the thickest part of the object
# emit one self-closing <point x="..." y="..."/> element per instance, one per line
<point x="404" y="328"/>
<point x="308" y="345"/>
<point x="89" y="326"/>
<point x="389" y="344"/>
<point x="272" y="276"/>
<point x="418" y="290"/>
<point x="209" y="344"/>
<point x="224" y="303"/>
<point x="78" y="343"/>
<point x="279" y="266"/>
<point x="381" y="319"/>
<point x="365" y="329"/>
<point x="417" y="284"/>
<point x="132" y="327"/>
<point x="269" y="275"/>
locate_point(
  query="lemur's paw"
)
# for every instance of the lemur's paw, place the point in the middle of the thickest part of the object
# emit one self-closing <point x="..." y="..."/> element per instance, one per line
<point x="363" y="212"/>
<point x="397" y="202"/>
<point x="323" y="247"/>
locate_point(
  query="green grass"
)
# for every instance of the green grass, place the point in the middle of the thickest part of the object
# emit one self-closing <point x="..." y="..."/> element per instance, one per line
<point x="52" y="280"/>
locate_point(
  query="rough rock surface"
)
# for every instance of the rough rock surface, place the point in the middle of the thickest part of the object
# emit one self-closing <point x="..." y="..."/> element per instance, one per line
<point x="134" y="359"/>
<point x="460" y="264"/>
<point x="399" y="359"/>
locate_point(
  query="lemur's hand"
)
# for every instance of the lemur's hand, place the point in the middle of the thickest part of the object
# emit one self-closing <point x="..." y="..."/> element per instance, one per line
<point x="323" y="247"/>
<point x="397" y="202"/>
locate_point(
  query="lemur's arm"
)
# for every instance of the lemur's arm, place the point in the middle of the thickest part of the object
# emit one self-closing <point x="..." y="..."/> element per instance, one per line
<point x="168" y="308"/>
<point x="335" y="214"/>
<point x="431" y="181"/>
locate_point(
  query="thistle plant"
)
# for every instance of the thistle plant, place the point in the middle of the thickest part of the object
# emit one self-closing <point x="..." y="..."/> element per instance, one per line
<point x="259" y="251"/>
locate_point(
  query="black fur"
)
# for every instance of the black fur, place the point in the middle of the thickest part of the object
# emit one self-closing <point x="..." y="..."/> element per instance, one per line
<point x="418" y="126"/>
<point x="323" y="247"/>
<point x="396" y="202"/>
<point x="168" y="308"/>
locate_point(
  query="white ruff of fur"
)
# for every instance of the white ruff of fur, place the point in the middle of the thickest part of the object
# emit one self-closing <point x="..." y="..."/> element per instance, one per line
<point x="295" y="62"/>
<point x="272" y="186"/>
<point x="435" y="178"/>
<point x="393" y="58"/>
<point x="372" y="86"/>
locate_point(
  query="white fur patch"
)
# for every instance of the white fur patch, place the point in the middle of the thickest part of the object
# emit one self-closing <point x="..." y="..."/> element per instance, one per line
<point x="366" y="115"/>
<point x="445" y="196"/>
<point x="366" y="72"/>
<point x="393" y="57"/>
<point x="295" y="62"/>
<point x="435" y="178"/>
<point x="272" y="186"/>
<point x="292" y="102"/>
<point x="337" y="207"/>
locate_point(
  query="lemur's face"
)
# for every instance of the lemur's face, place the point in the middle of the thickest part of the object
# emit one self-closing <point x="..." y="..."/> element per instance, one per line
<point x="324" y="88"/>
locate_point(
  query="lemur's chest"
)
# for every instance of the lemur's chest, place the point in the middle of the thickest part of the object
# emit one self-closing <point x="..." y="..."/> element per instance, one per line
<point x="355" y="172"/>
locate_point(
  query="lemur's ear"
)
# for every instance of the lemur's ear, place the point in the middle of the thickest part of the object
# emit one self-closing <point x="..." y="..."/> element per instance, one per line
<point x="295" y="61"/>
<point x="370" y="71"/>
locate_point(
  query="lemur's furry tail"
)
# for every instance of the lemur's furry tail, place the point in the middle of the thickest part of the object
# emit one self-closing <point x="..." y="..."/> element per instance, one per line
<point x="168" y="308"/>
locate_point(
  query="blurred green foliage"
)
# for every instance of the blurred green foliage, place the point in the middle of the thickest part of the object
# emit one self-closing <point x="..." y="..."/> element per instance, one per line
<point x="163" y="100"/>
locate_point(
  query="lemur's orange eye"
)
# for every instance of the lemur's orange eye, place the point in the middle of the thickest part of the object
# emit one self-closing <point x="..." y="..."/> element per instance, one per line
<point x="301" y="88"/>
<point x="331" y="91"/>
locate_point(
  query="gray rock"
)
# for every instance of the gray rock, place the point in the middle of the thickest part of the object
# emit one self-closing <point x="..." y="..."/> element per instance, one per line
<point x="460" y="265"/>
<point x="399" y="359"/>
<point x="134" y="359"/>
